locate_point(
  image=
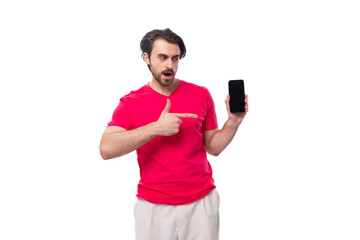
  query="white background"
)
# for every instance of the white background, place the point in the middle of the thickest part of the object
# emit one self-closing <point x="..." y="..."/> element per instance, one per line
<point x="292" y="171"/>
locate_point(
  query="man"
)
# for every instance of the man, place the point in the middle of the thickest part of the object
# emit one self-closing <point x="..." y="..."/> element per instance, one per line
<point x="172" y="125"/>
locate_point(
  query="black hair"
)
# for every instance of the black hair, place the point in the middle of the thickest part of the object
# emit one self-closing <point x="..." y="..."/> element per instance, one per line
<point x="148" y="40"/>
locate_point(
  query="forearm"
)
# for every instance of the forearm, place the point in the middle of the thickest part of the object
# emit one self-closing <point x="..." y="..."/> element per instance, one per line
<point x="222" y="138"/>
<point x="119" y="143"/>
<point x="216" y="142"/>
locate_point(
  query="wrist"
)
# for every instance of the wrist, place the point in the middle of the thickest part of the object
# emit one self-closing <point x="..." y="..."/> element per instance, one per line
<point x="153" y="130"/>
<point x="232" y="123"/>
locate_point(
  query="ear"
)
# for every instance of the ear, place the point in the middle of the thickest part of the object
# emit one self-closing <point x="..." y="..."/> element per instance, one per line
<point x="146" y="58"/>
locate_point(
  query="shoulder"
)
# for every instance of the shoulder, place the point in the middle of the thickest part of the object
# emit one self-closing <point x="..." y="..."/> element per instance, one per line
<point x="136" y="94"/>
<point x="193" y="87"/>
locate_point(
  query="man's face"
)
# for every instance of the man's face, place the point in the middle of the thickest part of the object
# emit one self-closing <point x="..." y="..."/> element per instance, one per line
<point x="164" y="61"/>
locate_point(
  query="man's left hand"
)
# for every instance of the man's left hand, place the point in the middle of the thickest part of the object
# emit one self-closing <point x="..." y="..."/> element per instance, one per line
<point x="236" y="117"/>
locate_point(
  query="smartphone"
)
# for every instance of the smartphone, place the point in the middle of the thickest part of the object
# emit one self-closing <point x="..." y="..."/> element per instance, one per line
<point x="237" y="96"/>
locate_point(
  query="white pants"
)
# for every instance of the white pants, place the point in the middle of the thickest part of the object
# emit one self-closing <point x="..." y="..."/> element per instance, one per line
<point x="195" y="221"/>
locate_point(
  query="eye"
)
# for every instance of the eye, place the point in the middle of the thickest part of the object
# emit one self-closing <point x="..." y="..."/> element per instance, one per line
<point x="175" y="59"/>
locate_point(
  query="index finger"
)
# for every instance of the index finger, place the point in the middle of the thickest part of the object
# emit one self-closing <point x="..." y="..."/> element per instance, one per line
<point x="186" y="115"/>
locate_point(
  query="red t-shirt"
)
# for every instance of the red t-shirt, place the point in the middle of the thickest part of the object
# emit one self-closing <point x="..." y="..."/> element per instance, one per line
<point x="174" y="170"/>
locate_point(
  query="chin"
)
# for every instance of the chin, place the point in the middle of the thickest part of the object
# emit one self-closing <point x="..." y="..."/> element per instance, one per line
<point x="164" y="82"/>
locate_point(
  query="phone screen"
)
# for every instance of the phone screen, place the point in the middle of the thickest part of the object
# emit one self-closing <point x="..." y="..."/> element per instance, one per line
<point x="237" y="96"/>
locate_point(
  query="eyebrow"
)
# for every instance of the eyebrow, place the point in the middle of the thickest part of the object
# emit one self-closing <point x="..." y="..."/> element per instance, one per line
<point x="162" y="54"/>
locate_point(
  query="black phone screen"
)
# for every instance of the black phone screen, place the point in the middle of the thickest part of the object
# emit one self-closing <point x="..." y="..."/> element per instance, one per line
<point x="237" y="96"/>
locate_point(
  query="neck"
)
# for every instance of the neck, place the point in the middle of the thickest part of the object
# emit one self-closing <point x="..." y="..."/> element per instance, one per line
<point x="164" y="90"/>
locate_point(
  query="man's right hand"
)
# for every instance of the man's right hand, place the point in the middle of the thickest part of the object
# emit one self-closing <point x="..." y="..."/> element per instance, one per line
<point x="168" y="123"/>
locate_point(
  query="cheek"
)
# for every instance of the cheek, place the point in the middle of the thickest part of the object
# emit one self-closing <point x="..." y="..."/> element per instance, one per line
<point x="154" y="66"/>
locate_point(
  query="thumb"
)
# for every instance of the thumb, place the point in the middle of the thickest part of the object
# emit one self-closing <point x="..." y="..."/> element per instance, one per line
<point x="167" y="107"/>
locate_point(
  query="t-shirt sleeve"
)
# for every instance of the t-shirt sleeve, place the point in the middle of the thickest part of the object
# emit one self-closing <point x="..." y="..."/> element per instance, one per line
<point x="210" y="121"/>
<point x="121" y="116"/>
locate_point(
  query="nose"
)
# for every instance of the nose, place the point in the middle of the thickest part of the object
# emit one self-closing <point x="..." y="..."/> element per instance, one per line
<point x="169" y="64"/>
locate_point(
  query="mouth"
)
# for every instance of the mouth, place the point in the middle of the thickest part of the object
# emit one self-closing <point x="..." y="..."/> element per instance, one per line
<point x="168" y="73"/>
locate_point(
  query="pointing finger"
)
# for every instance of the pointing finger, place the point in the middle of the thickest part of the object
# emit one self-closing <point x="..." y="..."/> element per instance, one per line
<point x="186" y="115"/>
